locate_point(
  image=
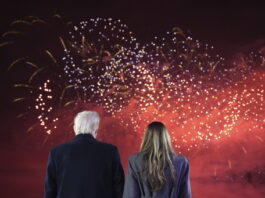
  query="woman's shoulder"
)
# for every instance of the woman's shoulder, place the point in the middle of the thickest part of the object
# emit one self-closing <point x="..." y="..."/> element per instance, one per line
<point x="136" y="156"/>
<point x="135" y="161"/>
<point x="180" y="158"/>
<point x="139" y="156"/>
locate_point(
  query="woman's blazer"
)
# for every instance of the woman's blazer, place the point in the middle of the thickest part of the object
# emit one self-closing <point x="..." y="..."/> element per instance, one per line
<point x="136" y="185"/>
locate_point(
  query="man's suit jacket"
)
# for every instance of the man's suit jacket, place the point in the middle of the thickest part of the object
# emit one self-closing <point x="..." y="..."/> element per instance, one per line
<point x="136" y="184"/>
<point x="84" y="168"/>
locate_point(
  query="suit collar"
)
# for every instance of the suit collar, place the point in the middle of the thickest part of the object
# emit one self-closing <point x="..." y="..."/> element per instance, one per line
<point x="84" y="136"/>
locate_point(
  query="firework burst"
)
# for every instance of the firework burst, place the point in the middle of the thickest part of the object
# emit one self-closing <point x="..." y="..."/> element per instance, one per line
<point x="201" y="96"/>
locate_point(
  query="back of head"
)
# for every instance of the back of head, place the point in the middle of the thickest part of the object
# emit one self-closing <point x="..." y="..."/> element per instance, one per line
<point x="158" y="150"/>
<point x="86" y="122"/>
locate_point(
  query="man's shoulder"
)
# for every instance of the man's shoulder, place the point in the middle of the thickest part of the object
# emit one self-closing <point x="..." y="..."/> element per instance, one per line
<point x="106" y="145"/>
<point x="60" y="147"/>
<point x="68" y="145"/>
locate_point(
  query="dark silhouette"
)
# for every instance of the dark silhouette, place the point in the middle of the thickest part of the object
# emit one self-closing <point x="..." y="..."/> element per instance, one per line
<point x="84" y="167"/>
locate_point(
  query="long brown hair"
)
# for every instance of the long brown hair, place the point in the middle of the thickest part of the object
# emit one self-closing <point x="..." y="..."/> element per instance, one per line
<point x="158" y="150"/>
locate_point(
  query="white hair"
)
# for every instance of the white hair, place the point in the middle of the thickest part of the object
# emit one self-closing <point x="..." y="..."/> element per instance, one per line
<point x="86" y="122"/>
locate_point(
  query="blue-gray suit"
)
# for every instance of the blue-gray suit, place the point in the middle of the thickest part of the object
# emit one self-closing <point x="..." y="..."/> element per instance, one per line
<point x="136" y="185"/>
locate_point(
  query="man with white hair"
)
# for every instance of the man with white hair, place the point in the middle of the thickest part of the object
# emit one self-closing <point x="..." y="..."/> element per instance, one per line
<point x="84" y="167"/>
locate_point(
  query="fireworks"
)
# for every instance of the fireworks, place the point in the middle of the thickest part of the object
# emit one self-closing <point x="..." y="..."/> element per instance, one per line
<point x="43" y="98"/>
<point x="199" y="95"/>
<point x="99" y="59"/>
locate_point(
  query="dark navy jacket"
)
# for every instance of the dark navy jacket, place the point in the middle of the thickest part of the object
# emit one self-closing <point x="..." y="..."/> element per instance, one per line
<point x="136" y="185"/>
<point x="84" y="168"/>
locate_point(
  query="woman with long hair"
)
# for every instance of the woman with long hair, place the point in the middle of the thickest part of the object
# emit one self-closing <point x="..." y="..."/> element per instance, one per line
<point x="156" y="171"/>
